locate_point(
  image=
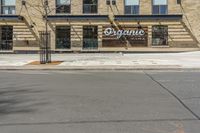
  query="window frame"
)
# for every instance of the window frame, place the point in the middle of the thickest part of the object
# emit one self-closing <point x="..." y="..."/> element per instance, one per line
<point x="167" y="35"/>
<point x="68" y="39"/>
<point x="90" y="37"/>
<point x="96" y="11"/>
<point x="159" y="8"/>
<point x="132" y="8"/>
<point x="2" y="6"/>
<point x="6" y="43"/>
<point x="56" y="6"/>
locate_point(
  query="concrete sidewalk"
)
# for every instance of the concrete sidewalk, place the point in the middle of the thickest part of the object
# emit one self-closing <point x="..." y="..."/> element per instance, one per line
<point x="186" y="60"/>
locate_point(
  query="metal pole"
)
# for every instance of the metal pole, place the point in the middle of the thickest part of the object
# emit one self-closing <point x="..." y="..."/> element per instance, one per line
<point x="46" y="32"/>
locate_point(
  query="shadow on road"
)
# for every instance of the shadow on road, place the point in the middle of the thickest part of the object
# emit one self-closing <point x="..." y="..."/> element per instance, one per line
<point x="15" y="100"/>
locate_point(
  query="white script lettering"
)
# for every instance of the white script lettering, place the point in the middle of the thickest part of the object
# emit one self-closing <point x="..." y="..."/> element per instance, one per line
<point x="120" y="33"/>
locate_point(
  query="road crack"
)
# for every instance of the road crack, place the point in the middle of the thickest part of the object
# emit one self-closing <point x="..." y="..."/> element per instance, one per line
<point x="172" y="94"/>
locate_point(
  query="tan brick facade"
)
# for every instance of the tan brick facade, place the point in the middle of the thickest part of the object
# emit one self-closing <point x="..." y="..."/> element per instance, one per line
<point x="183" y="34"/>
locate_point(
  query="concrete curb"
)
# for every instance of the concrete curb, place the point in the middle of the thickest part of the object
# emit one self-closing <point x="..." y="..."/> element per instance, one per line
<point x="62" y="68"/>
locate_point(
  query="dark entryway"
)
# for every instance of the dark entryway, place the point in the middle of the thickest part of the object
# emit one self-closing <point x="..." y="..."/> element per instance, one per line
<point x="6" y="37"/>
<point x="90" y="37"/>
<point x="63" y="37"/>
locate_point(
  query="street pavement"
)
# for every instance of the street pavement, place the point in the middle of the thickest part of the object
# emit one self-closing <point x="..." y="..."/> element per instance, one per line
<point x="99" y="101"/>
<point x="127" y="61"/>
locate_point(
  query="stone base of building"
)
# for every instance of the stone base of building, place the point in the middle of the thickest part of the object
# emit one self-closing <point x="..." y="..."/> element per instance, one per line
<point x="106" y="50"/>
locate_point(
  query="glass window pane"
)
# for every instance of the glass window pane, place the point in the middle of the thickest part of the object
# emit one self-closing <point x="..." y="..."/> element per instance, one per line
<point x="63" y="9"/>
<point x="163" y="9"/>
<point x="127" y="9"/>
<point x="5" y="10"/>
<point x="90" y="37"/>
<point x="90" y="6"/>
<point x="6" y="37"/>
<point x="63" y="35"/>
<point x="8" y="2"/>
<point x="135" y="10"/>
<point x="131" y="2"/>
<point x="155" y="9"/>
<point x="63" y="2"/>
<point x="159" y="2"/>
<point x="159" y="35"/>
<point x="8" y="10"/>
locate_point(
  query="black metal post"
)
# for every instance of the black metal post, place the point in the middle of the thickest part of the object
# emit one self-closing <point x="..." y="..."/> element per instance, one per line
<point x="46" y="31"/>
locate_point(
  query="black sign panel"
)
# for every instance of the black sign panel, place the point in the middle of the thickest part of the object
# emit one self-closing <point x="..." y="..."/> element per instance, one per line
<point x="125" y="36"/>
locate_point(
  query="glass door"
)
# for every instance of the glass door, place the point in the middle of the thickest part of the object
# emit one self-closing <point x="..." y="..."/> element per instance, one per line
<point x="63" y="37"/>
<point x="6" y="42"/>
<point x="90" y="37"/>
<point x="159" y="35"/>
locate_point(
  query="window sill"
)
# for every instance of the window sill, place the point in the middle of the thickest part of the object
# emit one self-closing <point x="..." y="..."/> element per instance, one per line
<point x="161" y="46"/>
<point x="63" y="13"/>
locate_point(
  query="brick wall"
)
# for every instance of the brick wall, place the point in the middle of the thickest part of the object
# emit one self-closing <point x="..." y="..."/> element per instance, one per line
<point x="33" y="15"/>
<point x="192" y="16"/>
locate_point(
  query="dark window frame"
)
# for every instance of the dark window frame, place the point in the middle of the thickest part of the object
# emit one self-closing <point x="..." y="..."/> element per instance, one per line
<point x="159" y="8"/>
<point x="90" y="37"/>
<point x="90" y="6"/>
<point x="159" y="39"/>
<point x="67" y="41"/>
<point x="10" y="7"/>
<point x="6" y="40"/>
<point x="132" y="9"/>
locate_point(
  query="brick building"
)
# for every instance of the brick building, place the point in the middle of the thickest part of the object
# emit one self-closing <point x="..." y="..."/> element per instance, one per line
<point x="101" y="25"/>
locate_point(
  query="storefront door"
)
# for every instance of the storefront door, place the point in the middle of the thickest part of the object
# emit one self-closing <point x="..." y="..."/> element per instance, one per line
<point x="63" y="37"/>
<point x="6" y="37"/>
<point x="159" y="35"/>
<point x="90" y="37"/>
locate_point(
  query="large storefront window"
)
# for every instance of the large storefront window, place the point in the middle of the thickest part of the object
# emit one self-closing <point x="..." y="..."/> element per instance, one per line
<point x="6" y="37"/>
<point x="132" y="6"/>
<point x="90" y="6"/>
<point x="160" y="35"/>
<point x="160" y="7"/>
<point x="8" y="6"/>
<point x="63" y="37"/>
<point x="90" y="37"/>
<point x="63" y="6"/>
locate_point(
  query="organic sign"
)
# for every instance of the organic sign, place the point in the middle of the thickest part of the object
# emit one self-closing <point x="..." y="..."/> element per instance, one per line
<point x="119" y="37"/>
<point x="120" y="33"/>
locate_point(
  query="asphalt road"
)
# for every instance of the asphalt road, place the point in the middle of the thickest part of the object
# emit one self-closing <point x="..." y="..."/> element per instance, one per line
<point x="100" y="102"/>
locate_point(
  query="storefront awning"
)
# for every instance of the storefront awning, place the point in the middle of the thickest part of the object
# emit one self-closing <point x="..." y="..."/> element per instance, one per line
<point x="147" y="17"/>
<point x="77" y="17"/>
<point x="11" y="18"/>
